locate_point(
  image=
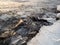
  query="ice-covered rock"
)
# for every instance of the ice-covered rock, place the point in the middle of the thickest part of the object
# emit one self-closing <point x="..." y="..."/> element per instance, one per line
<point x="50" y="20"/>
<point x="58" y="15"/>
<point x="58" y="7"/>
<point x="48" y="35"/>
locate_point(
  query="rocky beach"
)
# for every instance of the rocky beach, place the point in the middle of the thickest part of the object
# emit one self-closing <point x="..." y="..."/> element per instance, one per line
<point x="29" y="22"/>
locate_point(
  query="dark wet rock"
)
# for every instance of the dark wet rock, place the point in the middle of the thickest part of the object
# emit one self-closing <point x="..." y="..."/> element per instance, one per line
<point x="21" y="34"/>
<point x="21" y="30"/>
<point x="8" y="23"/>
<point x="5" y="41"/>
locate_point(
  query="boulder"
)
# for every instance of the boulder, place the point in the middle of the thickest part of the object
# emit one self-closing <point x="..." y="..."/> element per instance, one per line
<point x="48" y="35"/>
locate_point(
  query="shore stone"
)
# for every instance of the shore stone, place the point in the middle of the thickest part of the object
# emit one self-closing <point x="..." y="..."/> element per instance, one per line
<point x="48" y="35"/>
